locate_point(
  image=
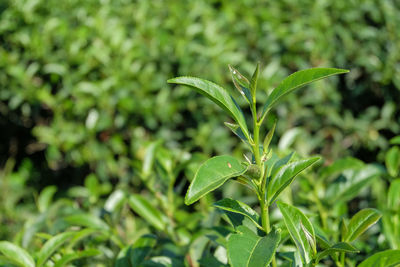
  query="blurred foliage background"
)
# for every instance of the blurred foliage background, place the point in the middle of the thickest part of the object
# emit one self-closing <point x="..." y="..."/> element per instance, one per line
<point x="83" y="86"/>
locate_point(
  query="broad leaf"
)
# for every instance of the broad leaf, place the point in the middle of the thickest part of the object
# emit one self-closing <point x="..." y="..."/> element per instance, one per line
<point x="246" y="249"/>
<point x="339" y="247"/>
<point x="297" y="80"/>
<point x="218" y="95"/>
<point x="212" y="174"/>
<point x="360" y="222"/>
<point x="51" y="246"/>
<point x="87" y="220"/>
<point x="76" y="255"/>
<point x="285" y="176"/>
<point x="387" y="258"/>
<point x="146" y="210"/>
<point x="296" y="223"/>
<point x="236" y="206"/>
<point x="16" y="255"/>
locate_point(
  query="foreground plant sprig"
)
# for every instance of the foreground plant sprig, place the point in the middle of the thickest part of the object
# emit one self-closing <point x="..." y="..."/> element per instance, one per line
<point x="266" y="174"/>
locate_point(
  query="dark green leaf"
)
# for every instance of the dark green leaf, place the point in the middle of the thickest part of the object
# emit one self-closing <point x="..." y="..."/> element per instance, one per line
<point x="16" y="255"/>
<point x="296" y="222"/>
<point x="360" y="222"/>
<point x="236" y="130"/>
<point x="285" y="176"/>
<point x="297" y="80"/>
<point x="340" y="165"/>
<point x="246" y="249"/>
<point x="253" y="82"/>
<point x="212" y="174"/>
<point x="146" y="210"/>
<point x="236" y="206"/>
<point x="141" y="248"/>
<point x="387" y="258"/>
<point x="218" y="95"/>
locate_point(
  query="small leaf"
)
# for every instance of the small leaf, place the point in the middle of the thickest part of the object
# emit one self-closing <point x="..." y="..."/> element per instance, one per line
<point x="338" y="247"/>
<point x="76" y="255"/>
<point x="87" y="220"/>
<point x="241" y="83"/>
<point x="360" y="222"/>
<point x="236" y="130"/>
<point x="341" y="165"/>
<point x="394" y="195"/>
<point x="16" y="255"/>
<point x="46" y="197"/>
<point x="218" y="95"/>
<point x="268" y="137"/>
<point x="392" y="161"/>
<point x="212" y="174"/>
<point x="253" y="82"/>
<point x="387" y="258"/>
<point x="236" y="206"/>
<point x="285" y="176"/>
<point x="146" y="210"/>
<point x="297" y="80"/>
<point x="246" y="249"/>
<point x="294" y="218"/>
<point x="51" y="246"/>
<point x="395" y="140"/>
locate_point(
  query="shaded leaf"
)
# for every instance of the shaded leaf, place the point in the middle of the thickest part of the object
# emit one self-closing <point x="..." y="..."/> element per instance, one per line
<point x="76" y="255"/>
<point x="338" y="247"/>
<point x="236" y="206"/>
<point x="241" y="83"/>
<point x="212" y="174"/>
<point x="236" y="130"/>
<point x="253" y="82"/>
<point x="51" y="246"/>
<point x="87" y="220"/>
<point x="393" y="201"/>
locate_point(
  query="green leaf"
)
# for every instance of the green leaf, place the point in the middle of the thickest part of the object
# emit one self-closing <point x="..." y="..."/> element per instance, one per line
<point x="395" y="140"/>
<point x="134" y="255"/>
<point x="241" y="83"/>
<point x="212" y="174"/>
<point x="218" y="95"/>
<point x="350" y="183"/>
<point x="360" y="222"/>
<point x="87" y="220"/>
<point x="46" y="197"/>
<point x="268" y="137"/>
<point x="392" y="161"/>
<point x="341" y="165"/>
<point x="285" y="176"/>
<point x="393" y="201"/>
<point x="387" y="258"/>
<point x="146" y="210"/>
<point x="246" y="249"/>
<point x="236" y="206"/>
<point x="338" y="247"/>
<point x="51" y="246"/>
<point x="253" y="82"/>
<point x="297" y="80"/>
<point x="296" y="222"/>
<point x="76" y="255"/>
<point x="236" y="130"/>
<point x="16" y="255"/>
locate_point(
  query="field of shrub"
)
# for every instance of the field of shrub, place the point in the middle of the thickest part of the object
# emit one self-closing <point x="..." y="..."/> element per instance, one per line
<point x="98" y="150"/>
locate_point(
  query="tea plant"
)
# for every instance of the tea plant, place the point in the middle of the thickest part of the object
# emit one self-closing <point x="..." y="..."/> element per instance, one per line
<point x="255" y="240"/>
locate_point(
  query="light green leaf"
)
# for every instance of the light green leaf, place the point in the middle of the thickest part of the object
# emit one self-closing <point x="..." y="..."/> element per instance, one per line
<point x="146" y="210"/>
<point x="212" y="174"/>
<point x="387" y="258"/>
<point x="246" y="249"/>
<point x="16" y="255"/>
<point x="218" y="95"/>
<point x="87" y="220"/>
<point x="360" y="222"/>
<point x="296" y="222"/>
<point x="51" y="246"/>
<point x="236" y="206"/>
<point x="297" y="80"/>
<point x="268" y="137"/>
<point x="253" y="82"/>
<point x="46" y="197"/>
<point x="392" y="161"/>
<point x="242" y="84"/>
<point x="65" y="259"/>
<point x="340" y="165"/>
<point x="338" y="247"/>
<point x="394" y="195"/>
<point x="395" y="140"/>
<point x="285" y="176"/>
